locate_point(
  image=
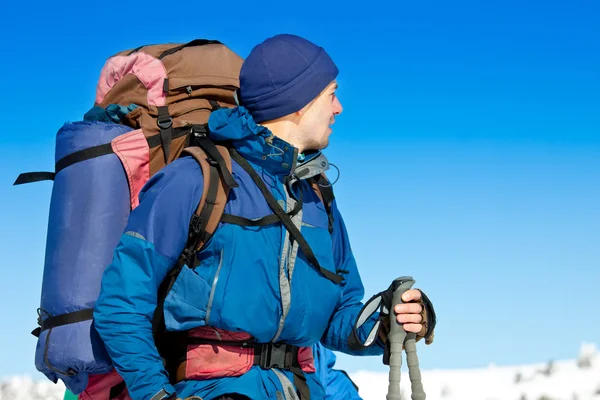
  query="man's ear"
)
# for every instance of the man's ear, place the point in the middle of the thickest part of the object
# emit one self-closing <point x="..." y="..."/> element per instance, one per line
<point x="300" y="113"/>
<point x="297" y="115"/>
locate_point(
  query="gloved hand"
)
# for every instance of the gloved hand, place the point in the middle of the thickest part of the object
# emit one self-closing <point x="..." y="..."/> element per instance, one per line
<point x="417" y="315"/>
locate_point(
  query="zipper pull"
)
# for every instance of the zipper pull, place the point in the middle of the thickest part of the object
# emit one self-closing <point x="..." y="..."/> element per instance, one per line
<point x="189" y="90"/>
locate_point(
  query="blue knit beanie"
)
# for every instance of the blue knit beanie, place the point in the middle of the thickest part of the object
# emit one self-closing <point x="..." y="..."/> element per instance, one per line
<point x="283" y="74"/>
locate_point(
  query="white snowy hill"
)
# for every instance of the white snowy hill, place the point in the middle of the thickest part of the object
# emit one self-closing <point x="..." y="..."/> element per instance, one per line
<point x="576" y="379"/>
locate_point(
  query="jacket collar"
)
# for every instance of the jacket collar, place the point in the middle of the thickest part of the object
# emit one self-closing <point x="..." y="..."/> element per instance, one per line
<point x="254" y="142"/>
<point x="258" y="145"/>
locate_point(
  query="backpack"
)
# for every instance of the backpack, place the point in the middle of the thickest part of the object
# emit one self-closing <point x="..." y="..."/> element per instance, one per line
<point x="152" y="106"/>
<point x="163" y="95"/>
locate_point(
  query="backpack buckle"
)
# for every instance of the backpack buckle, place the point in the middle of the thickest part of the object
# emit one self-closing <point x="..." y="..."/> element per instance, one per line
<point x="195" y="225"/>
<point x="164" y="123"/>
<point x="276" y="355"/>
<point x="199" y="131"/>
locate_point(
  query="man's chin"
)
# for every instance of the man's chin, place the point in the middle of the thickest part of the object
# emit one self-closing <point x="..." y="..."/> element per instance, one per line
<point x="324" y="145"/>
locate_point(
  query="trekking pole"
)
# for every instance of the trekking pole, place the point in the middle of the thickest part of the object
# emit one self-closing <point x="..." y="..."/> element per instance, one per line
<point x="397" y="338"/>
<point x="414" y="372"/>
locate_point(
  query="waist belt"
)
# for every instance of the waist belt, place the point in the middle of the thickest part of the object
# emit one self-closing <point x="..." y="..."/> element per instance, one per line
<point x="266" y="355"/>
<point x="211" y="353"/>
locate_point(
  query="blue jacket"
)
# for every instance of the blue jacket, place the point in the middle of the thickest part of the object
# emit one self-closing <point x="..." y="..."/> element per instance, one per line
<point x="338" y="384"/>
<point x="251" y="279"/>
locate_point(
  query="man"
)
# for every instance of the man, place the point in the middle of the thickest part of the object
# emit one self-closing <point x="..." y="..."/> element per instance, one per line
<point x="291" y="281"/>
<point x="338" y="384"/>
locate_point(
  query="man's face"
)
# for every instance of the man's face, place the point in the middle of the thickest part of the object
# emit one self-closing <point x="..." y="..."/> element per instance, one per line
<point x="315" y="123"/>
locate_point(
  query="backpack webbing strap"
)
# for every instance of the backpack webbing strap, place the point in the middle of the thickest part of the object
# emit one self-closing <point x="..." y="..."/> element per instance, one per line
<point x="196" y="42"/>
<point x="116" y="390"/>
<point x="51" y="322"/>
<point x="78" y="156"/>
<point x="264" y="221"/>
<point x="285" y="219"/>
<point x="300" y="383"/>
<point x="237" y="220"/>
<point x="213" y="103"/>
<point x="62" y="319"/>
<point x="136" y="49"/>
<point x="216" y="166"/>
<point x="215" y="153"/>
<point x="324" y="190"/>
<point x="165" y="123"/>
<point x="30" y="177"/>
<point x="155" y="140"/>
<point x="96" y="151"/>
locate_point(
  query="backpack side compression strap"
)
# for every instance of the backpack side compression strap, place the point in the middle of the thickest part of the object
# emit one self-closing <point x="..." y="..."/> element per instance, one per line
<point x="89" y="153"/>
<point x="63" y="319"/>
<point x="30" y="177"/>
<point x="78" y="156"/>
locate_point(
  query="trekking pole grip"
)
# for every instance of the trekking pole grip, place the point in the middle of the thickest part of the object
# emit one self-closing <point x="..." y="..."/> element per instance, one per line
<point x="396" y="337"/>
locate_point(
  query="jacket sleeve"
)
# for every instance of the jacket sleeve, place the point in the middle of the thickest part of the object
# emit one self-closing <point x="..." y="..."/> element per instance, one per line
<point x="342" y="323"/>
<point x="155" y="236"/>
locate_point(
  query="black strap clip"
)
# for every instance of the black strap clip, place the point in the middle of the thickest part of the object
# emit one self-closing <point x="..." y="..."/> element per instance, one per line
<point x="164" y="123"/>
<point x="276" y="355"/>
<point x="196" y="225"/>
<point x="199" y="131"/>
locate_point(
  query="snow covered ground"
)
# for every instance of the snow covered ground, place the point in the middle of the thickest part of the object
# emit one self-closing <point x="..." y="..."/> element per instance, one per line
<point x="576" y="379"/>
<point x="25" y="388"/>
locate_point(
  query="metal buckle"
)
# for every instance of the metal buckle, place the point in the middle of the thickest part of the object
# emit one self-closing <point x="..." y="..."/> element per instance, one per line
<point x="275" y="355"/>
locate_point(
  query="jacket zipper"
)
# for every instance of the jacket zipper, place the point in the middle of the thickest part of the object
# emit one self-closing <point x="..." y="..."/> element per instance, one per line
<point x="213" y="288"/>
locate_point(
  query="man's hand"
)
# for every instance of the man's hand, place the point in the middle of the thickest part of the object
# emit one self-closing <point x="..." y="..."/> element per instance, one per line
<point x="410" y="314"/>
<point x="414" y="316"/>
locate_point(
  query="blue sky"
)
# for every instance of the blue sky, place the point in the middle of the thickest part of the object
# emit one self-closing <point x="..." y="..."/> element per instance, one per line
<point x="469" y="150"/>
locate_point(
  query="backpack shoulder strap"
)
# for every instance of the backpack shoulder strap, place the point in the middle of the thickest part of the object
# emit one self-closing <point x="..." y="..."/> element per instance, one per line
<point x="285" y="219"/>
<point x="324" y="190"/>
<point x="205" y="219"/>
<point x="210" y="209"/>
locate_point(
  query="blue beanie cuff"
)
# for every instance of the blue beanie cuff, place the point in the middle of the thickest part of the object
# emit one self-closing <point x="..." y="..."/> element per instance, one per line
<point x="294" y="95"/>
